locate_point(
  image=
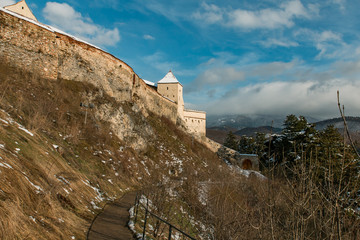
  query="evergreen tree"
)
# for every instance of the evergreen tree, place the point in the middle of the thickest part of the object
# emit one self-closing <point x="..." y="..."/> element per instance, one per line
<point x="231" y="141"/>
<point x="247" y="145"/>
<point x="299" y="138"/>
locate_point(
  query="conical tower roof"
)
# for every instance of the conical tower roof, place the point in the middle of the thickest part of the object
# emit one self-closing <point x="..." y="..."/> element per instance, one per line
<point x="169" y="78"/>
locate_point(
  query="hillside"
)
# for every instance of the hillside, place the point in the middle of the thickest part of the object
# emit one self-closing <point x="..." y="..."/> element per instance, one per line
<point x="58" y="171"/>
<point x="251" y="131"/>
<point x="218" y="134"/>
<point x="353" y="123"/>
<point x="78" y="129"/>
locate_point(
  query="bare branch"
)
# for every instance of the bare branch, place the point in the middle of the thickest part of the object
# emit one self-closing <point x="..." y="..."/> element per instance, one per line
<point x="346" y="126"/>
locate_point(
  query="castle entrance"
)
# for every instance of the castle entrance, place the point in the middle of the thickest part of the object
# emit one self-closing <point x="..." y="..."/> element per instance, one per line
<point x="247" y="164"/>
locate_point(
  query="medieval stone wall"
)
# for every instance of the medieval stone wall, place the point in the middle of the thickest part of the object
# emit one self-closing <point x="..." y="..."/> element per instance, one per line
<point x="53" y="55"/>
<point x="196" y="121"/>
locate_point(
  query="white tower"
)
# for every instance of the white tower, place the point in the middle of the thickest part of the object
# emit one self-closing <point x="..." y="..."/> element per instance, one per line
<point x="171" y="88"/>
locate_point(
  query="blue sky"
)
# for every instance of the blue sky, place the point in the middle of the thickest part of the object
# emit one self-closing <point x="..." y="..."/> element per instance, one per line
<point x="242" y="57"/>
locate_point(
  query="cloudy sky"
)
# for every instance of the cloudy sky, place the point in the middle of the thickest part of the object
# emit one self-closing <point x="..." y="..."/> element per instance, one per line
<point x="241" y="57"/>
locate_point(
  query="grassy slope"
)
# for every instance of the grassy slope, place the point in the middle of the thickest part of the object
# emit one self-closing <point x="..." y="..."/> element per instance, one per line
<point x="62" y="175"/>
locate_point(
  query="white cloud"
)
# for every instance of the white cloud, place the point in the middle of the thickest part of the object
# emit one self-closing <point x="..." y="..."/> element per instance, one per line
<point x="158" y="61"/>
<point x="211" y="13"/>
<point x="4" y="3"/>
<point x="268" y="18"/>
<point x="340" y="3"/>
<point x="63" y="16"/>
<point x="282" y="98"/>
<point x="148" y="37"/>
<point x="328" y="43"/>
<point x="270" y="70"/>
<point x="216" y="76"/>
<point x="289" y="87"/>
<point x="278" y="43"/>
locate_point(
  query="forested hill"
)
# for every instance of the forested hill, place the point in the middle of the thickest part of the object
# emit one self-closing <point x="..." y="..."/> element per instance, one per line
<point x="353" y="123"/>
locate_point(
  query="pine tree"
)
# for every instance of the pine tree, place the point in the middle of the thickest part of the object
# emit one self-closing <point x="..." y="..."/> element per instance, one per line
<point x="231" y="141"/>
<point x="247" y="145"/>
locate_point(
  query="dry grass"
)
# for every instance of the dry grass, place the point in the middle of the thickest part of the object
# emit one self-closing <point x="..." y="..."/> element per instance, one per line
<point x="235" y="207"/>
<point x="84" y="153"/>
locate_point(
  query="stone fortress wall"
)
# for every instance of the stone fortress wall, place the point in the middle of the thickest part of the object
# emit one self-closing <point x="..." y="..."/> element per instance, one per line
<point x="53" y="55"/>
<point x="169" y="87"/>
<point x="173" y="92"/>
<point x="196" y="121"/>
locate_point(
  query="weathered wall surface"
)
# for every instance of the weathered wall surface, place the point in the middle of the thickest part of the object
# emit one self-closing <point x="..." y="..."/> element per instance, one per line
<point x="53" y="55"/>
<point x="196" y="121"/>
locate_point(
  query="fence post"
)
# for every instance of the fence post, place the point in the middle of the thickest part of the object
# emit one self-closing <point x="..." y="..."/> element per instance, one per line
<point x="170" y="228"/>
<point x="144" y="229"/>
<point x="137" y="200"/>
<point x="146" y="212"/>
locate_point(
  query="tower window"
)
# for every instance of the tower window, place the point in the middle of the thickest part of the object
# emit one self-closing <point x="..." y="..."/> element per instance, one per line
<point x="167" y="88"/>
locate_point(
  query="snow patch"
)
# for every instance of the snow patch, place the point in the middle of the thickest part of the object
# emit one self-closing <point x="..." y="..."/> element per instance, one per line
<point x="99" y="197"/>
<point x="33" y="219"/>
<point x="5" y="165"/>
<point x="38" y="188"/>
<point x="62" y="179"/>
<point x="25" y="130"/>
<point x="4" y="121"/>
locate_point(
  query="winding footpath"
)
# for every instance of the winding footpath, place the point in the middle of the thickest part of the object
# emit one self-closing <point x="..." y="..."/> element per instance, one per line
<point x="111" y="223"/>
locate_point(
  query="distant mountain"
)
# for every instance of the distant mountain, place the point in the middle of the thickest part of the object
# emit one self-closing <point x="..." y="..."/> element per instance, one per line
<point x="219" y="126"/>
<point x="352" y="122"/>
<point x="251" y="131"/>
<point x="243" y="121"/>
<point x="218" y="134"/>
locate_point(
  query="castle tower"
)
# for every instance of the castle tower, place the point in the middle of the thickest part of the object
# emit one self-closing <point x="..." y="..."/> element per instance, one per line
<point x="171" y="88"/>
<point x="21" y="8"/>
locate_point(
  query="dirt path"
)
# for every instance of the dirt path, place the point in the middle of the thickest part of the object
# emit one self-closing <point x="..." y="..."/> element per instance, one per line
<point x="112" y="222"/>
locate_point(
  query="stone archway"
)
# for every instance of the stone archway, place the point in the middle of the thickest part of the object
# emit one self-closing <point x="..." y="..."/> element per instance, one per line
<point x="246" y="164"/>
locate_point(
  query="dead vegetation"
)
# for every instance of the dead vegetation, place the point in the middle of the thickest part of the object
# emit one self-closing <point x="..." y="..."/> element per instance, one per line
<point x="60" y="162"/>
<point x="54" y="181"/>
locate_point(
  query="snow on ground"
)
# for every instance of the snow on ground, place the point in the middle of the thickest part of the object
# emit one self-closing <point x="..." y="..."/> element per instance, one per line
<point x="33" y="219"/>
<point x="25" y="130"/>
<point x="203" y="193"/>
<point x="38" y="188"/>
<point x="5" y="165"/>
<point x="145" y="168"/>
<point x="10" y="121"/>
<point x="99" y="197"/>
<point x="62" y="179"/>
<point x="248" y="173"/>
<point x="4" y="121"/>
